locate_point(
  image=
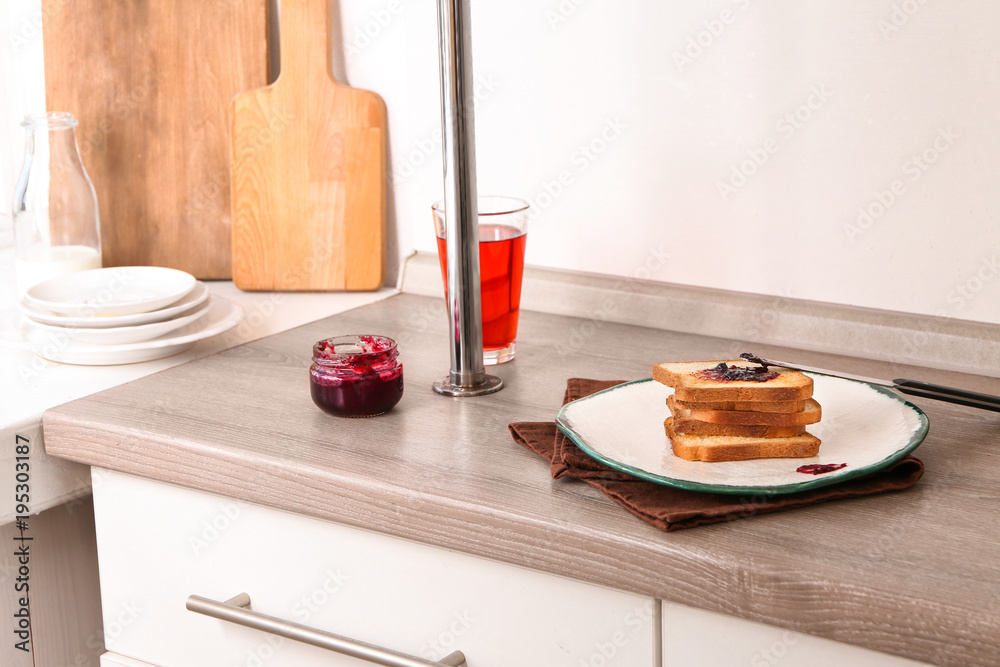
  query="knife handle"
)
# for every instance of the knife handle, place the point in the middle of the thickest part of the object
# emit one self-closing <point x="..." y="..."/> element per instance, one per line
<point x="947" y="394"/>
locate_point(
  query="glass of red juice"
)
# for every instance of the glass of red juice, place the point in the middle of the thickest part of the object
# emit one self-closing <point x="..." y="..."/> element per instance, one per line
<point x="503" y="228"/>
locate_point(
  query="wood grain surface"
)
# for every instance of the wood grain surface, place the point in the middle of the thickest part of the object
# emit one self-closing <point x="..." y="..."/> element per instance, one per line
<point x="308" y="171"/>
<point x="914" y="573"/>
<point x="151" y="83"/>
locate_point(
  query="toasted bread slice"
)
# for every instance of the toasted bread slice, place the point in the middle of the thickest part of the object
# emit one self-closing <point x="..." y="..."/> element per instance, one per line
<point x="811" y="414"/>
<point x="788" y="385"/>
<point x="693" y="426"/>
<point x="685" y="423"/>
<point x="745" y="406"/>
<point x="694" y="447"/>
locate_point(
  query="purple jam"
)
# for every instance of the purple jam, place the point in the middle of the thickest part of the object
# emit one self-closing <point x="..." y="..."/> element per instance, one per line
<point x="356" y="376"/>
<point x="820" y="468"/>
<point x="724" y="373"/>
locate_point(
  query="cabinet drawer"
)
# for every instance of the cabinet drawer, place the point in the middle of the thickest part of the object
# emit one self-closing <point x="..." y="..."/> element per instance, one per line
<point x="159" y="544"/>
<point x="114" y="660"/>
<point x="699" y="638"/>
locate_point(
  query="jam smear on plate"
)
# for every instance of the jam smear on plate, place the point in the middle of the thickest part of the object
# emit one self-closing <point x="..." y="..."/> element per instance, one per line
<point x="820" y="468"/>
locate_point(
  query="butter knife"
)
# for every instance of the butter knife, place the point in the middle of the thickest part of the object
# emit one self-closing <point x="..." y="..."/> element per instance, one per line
<point x="912" y="387"/>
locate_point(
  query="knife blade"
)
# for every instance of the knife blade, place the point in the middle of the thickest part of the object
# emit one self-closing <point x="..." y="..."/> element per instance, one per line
<point x="824" y="371"/>
<point x="912" y="387"/>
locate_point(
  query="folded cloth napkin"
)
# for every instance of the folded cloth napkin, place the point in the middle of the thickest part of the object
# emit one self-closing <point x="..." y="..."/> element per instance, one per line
<point x="670" y="508"/>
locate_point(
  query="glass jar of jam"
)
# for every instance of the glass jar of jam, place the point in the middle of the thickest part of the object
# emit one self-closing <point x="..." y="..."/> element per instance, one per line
<point x="356" y="376"/>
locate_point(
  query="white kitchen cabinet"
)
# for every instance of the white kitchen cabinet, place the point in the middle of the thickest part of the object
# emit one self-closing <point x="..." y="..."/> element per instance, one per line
<point x="698" y="638"/>
<point x="114" y="660"/>
<point x="158" y="544"/>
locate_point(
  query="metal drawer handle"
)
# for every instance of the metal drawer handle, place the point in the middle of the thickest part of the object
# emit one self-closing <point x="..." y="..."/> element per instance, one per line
<point x="237" y="610"/>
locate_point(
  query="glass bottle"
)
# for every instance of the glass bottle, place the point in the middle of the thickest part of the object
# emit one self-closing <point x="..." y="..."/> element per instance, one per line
<point x="56" y="222"/>
<point x="356" y="376"/>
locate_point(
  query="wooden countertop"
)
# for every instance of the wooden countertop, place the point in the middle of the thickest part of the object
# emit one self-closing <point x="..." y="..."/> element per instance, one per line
<point x="915" y="573"/>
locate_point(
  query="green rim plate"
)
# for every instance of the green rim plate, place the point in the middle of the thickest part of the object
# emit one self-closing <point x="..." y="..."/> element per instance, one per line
<point x="586" y="421"/>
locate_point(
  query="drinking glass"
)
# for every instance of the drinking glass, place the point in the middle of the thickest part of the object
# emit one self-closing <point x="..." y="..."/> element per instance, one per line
<point x="503" y="228"/>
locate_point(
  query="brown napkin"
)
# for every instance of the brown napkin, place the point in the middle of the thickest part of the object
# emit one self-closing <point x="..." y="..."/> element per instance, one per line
<point x="669" y="508"/>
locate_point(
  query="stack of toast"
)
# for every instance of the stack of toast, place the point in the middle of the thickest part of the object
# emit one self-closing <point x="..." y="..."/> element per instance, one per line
<point x="725" y="411"/>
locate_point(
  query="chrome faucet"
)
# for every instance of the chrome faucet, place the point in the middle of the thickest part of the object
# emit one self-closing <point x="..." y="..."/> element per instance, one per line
<point x="468" y="374"/>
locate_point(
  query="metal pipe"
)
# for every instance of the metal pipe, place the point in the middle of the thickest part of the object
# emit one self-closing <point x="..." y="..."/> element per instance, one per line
<point x="468" y="375"/>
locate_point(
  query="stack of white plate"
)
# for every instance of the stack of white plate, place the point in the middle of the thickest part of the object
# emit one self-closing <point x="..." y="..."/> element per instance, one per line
<point x="121" y="315"/>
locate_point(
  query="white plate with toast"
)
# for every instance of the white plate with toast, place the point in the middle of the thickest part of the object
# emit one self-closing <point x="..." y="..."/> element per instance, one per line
<point x="865" y="426"/>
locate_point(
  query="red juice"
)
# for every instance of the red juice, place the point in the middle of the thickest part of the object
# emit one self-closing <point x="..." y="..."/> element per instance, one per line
<point x="501" y="266"/>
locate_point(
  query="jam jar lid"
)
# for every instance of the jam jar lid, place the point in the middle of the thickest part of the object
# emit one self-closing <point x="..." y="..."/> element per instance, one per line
<point x="359" y="350"/>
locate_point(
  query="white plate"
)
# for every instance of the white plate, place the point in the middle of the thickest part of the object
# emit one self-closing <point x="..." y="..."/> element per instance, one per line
<point x="221" y="317"/>
<point x="191" y="300"/>
<point x="865" y="426"/>
<point x="116" y="335"/>
<point x="120" y="290"/>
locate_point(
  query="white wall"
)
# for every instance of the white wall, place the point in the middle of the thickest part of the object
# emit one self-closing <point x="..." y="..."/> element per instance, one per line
<point x="22" y="91"/>
<point x="668" y="120"/>
<point x="22" y="83"/>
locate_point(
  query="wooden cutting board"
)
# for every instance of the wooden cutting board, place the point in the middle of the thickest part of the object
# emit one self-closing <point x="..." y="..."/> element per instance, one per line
<point x="308" y="171"/>
<point x="151" y="82"/>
